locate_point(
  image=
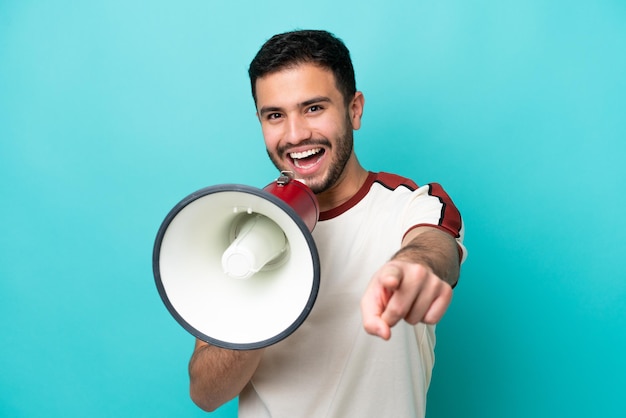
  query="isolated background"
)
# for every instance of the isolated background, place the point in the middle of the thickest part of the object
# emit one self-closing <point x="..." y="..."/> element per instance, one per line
<point x="111" y="112"/>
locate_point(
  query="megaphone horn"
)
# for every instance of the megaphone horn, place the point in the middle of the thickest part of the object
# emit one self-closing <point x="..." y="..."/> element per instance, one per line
<point x="237" y="266"/>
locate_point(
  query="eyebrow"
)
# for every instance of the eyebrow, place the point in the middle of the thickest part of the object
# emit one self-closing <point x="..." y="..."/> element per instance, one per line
<point x="318" y="99"/>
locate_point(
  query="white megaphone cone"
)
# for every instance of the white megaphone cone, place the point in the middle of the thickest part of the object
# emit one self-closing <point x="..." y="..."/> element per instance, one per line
<point x="237" y="266"/>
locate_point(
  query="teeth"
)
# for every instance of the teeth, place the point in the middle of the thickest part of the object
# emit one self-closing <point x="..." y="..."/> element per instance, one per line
<point x="304" y="154"/>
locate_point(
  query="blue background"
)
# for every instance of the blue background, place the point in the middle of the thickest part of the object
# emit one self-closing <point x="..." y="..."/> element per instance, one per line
<point x="111" y="112"/>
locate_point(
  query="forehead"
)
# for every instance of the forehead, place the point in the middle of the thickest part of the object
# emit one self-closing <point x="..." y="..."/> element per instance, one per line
<point x="295" y="85"/>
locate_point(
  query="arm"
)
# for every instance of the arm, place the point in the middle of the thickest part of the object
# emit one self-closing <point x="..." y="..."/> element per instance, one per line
<point x="217" y="375"/>
<point x="415" y="285"/>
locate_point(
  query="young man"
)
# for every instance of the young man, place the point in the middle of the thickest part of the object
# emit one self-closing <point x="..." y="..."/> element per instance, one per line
<point x="389" y="251"/>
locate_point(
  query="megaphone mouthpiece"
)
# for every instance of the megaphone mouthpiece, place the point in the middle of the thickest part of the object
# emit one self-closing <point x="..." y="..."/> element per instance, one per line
<point x="258" y="241"/>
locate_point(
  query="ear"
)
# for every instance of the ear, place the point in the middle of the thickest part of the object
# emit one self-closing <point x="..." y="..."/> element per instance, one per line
<point x="355" y="110"/>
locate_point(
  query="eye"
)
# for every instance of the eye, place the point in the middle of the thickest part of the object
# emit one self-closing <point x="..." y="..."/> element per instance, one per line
<point x="315" y="108"/>
<point x="273" y="116"/>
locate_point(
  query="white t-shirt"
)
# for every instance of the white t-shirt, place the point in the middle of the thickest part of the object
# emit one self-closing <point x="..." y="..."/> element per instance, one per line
<point x="330" y="367"/>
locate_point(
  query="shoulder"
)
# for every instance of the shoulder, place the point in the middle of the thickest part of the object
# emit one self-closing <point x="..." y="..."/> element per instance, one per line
<point x="393" y="181"/>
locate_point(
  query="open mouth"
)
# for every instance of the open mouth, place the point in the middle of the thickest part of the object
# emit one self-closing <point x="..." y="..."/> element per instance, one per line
<point x="306" y="159"/>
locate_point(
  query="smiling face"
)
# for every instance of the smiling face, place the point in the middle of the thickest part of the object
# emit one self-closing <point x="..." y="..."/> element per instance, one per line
<point x="308" y="127"/>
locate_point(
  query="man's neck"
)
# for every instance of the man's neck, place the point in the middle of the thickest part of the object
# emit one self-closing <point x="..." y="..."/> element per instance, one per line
<point x="350" y="182"/>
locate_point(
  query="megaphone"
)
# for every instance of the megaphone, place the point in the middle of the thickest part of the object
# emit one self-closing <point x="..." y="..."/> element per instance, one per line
<point x="237" y="266"/>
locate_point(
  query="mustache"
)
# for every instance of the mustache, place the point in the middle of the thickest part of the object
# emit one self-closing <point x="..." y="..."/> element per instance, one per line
<point x="309" y="142"/>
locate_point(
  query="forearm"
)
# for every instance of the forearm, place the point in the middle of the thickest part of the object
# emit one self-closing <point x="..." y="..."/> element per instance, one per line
<point x="217" y="375"/>
<point x="434" y="248"/>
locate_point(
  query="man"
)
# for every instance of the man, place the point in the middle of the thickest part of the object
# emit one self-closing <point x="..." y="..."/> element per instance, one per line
<point x="389" y="251"/>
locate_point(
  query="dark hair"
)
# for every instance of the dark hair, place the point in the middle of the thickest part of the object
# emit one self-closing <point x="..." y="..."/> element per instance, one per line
<point x="318" y="47"/>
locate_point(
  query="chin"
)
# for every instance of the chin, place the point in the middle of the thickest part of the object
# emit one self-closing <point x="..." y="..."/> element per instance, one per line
<point x="318" y="185"/>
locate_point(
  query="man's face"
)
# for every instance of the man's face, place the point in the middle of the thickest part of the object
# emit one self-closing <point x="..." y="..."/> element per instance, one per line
<point x="306" y="125"/>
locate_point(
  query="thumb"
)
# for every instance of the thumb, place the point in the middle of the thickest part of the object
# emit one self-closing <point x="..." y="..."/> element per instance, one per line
<point x="390" y="276"/>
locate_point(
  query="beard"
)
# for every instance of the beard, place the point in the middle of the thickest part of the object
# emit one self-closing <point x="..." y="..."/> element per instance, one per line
<point x="342" y="153"/>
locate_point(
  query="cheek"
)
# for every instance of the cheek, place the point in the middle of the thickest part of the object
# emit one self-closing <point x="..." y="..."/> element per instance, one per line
<point x="321" y="128"/>
<point x="334" y="125"/>
<point x="333" y="130"/>
<point x="271" y="137"/>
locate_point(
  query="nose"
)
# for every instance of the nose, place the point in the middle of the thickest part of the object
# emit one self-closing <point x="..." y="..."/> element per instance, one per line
<point x="297" y="130"/>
